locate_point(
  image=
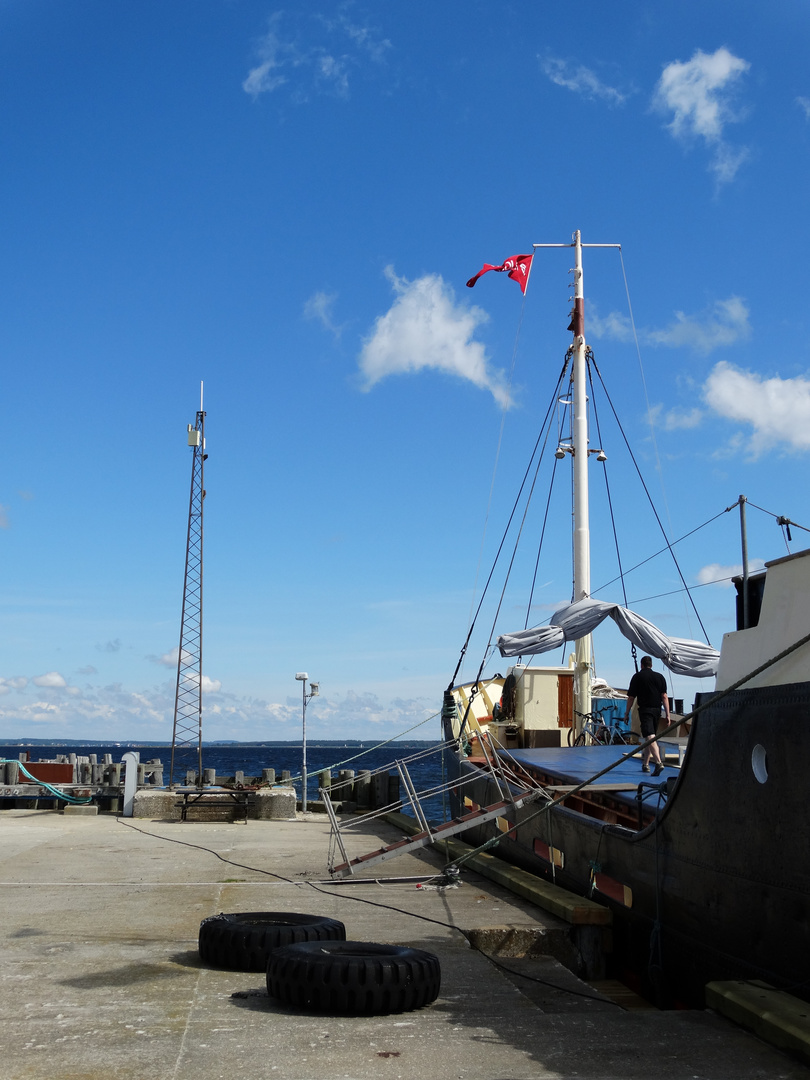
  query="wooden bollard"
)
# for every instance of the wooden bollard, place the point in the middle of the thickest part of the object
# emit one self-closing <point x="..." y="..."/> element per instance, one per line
<point x="345" y="785"/>
<point x="393" y="787"/>
<point x="379" y="791"/>
<point x="285" y="775"/>
<point x="268" y="776"/>
<point x="362" y="789"/>
<point x="210" y="777"/>
<point x="239" y="778"/>
<point x="325" y="780"/>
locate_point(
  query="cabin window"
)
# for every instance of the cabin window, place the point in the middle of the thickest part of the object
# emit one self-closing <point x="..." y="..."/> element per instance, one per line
<point x="756" y="587"/>
<point x="759" y="763"/>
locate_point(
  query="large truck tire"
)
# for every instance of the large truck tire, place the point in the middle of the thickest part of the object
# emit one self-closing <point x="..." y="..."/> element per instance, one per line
<point x="353" y="978"/>
<point x="244" y="941"/>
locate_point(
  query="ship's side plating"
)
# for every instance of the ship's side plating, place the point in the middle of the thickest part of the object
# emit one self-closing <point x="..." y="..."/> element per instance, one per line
<point x="718" y="885"/>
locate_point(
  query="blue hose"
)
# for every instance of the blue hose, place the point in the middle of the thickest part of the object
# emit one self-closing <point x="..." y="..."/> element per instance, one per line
<point x="80" y="800"/>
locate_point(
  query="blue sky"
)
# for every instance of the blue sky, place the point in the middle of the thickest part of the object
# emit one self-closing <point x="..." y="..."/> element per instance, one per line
<point x="286" y="203"/>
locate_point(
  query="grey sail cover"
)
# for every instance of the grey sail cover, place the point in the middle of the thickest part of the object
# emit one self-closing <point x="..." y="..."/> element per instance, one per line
<point x="680" y="655"/>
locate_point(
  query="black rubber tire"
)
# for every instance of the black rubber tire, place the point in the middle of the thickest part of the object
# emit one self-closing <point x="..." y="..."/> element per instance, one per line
<point x="353" y="978"/>
<point x="244" y="941"/>
<point x="580" y="739"/>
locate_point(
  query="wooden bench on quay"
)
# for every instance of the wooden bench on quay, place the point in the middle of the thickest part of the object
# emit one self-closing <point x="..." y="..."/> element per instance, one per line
<point x="240" y="800"/>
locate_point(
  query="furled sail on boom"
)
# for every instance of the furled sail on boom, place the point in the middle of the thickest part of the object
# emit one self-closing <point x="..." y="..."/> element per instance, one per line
<point x="681" y="656"/>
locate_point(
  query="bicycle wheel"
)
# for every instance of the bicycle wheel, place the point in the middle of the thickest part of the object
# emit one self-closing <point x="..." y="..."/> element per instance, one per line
<point x="580" y="740"/>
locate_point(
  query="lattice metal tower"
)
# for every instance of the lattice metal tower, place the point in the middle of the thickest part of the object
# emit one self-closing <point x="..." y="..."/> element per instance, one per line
<point x="187" y="732"/>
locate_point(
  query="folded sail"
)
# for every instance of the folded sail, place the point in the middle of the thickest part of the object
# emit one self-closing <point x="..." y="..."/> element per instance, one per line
<point x="682" y="656"/>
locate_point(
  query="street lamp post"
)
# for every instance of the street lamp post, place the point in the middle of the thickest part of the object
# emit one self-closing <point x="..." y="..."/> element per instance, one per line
<point x="314" y="690"/>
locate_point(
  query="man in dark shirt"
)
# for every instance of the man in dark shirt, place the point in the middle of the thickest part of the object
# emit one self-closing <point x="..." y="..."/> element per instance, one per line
<point x="650" y="690"/>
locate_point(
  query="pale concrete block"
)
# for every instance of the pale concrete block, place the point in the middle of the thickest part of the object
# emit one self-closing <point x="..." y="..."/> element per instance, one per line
<point x="80" y="809"/>
<point x="156" y="804"/>
<point x="274" y="804"/>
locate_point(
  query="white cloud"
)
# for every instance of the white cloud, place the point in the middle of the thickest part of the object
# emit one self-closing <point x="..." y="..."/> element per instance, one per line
<point x="581" y="80"/>
<point x="723" y="324"/>
<point x="804" y="105"/>
<point x="680" y="419"/>
<point x="113" y="712"/>
<point x="52" y="680"/>
<point x="777" y="410"/>
<point x="275" y="55"/>
<point x="326" y="64"/>
<point x="698" y="94"/>
<point x="719" y="575"/>
<point x="426" y="329"/>
<point x="614" y="326"/>
<point x="110" y="646"/>
<point x="366" y="38"/>
<point x="333" y="71"/>
<point x="320" y="307"/>
<point x="167" y="659"/>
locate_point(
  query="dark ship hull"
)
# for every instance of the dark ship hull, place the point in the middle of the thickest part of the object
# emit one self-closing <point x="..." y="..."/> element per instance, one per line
<point x="715" y="884"/>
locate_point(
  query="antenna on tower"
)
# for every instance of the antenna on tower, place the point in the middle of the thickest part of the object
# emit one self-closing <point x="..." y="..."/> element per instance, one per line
<point x="187" y="731"/>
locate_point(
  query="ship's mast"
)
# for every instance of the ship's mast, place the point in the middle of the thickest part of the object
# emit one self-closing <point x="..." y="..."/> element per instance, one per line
<point x="579" y="440"/>
<point x="580" y="453"/>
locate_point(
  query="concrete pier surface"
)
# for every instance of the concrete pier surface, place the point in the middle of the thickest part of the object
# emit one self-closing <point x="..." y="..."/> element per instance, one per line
<point x="101" y="977"/>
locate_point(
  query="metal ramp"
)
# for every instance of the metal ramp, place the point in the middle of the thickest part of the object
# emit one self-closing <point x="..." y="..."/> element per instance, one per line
<point x="504" y="778"/>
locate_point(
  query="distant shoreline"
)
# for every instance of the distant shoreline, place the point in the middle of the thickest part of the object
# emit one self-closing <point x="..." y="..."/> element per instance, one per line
<point x="360" y="743"/>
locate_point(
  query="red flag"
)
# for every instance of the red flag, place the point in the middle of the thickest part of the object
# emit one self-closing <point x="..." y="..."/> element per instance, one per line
<point x="517" y="268"/>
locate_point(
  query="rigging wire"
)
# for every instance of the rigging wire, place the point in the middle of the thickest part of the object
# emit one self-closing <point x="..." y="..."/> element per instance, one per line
<point x="589" y="357"/>
<point x="649" y="499"/>
<point x="661" y="551"/>
<point x="780" y="519"/>
<point x="540" y="545"/>
<point x="658" y="468"/>
<point x="500" y="442"/>
<point x="506" y="530"/>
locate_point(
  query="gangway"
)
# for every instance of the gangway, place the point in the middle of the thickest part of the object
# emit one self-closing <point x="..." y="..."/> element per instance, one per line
<point x="515" y="788"/>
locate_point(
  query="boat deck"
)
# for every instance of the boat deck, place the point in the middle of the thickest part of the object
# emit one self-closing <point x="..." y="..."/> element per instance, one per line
<point x="568" y="766"/>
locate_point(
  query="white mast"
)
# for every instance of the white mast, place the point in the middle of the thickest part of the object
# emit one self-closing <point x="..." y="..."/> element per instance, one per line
<point x="582" y="546"/>
<point x="580" y="452"/>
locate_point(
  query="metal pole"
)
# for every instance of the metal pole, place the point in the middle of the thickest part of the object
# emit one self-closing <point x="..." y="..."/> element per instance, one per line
<point x="744" y="538"/>
<point x="304" y="764"/>
<point x="582" y="551"/>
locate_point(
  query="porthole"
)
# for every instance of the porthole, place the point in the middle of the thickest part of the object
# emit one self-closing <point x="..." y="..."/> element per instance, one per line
<point x="759" y="763"/>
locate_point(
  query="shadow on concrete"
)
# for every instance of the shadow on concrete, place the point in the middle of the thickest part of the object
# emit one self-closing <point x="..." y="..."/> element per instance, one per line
<point x="123" y="976"/>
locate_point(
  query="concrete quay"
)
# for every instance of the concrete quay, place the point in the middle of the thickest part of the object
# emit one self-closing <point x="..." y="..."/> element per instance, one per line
<point x="101" y="977"/>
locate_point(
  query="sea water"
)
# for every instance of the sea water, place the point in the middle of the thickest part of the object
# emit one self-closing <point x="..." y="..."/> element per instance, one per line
<point x="423" y="761"/>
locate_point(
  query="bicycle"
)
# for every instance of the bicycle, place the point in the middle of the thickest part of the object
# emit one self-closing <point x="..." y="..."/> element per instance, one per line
<point x="596" y="732"/>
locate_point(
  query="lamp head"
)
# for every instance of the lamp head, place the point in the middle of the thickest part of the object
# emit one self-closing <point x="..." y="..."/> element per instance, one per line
<point x="301" y="676"/>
